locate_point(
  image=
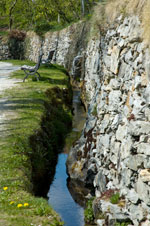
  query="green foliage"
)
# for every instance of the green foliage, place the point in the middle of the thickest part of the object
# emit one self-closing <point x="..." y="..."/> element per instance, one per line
<point x="126" y="223"/>
<point x="42" y="15"/>
<point x="115" y="198"/>
<point x="42" y="27"/>
<point x="88" y="212"/>
<point x="3" y="32"/>
<point x="94" y="112"/>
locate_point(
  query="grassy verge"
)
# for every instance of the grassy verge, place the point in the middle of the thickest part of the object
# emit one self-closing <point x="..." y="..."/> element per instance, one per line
<point x="38" y="119"/>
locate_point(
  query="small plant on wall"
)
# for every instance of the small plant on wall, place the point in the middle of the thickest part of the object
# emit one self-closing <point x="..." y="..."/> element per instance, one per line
<point x="114" y="199"/>
<point x="94" y="112"/>
<point x="88" y="212"/>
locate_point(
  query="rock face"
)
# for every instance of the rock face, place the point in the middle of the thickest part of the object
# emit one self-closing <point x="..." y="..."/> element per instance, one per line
<point x="114" y="149"/>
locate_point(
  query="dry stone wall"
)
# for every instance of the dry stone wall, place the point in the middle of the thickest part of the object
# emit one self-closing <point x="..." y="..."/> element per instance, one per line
<point x="66" y="44"/>
<point x="113" y="153"/>
<point x="4" y="50"/>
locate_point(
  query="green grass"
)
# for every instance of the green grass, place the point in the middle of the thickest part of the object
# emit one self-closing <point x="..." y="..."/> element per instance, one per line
<point x="4" y="33"/>
<point x="28" y="109"/>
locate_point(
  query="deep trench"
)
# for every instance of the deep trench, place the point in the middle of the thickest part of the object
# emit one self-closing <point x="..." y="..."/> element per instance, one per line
<point x="49" y="176"/>
<point x="47" y="142"/>
<point x="65" y="195"/>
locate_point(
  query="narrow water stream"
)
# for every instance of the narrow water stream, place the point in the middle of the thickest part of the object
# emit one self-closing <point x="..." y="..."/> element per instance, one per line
<point x="59" y="196"/>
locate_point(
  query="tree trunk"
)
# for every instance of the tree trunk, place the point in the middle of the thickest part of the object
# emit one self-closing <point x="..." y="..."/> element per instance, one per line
<point x="10" y="14"/>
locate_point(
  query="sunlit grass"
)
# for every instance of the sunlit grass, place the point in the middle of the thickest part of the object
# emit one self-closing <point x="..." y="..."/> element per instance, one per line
<point x="25" y="104"/>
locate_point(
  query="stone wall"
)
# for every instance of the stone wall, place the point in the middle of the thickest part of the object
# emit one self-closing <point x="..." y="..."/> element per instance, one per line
<point x="4" y="50"/>
<point x="113" y="153"/>
<point x="66" y="44"/>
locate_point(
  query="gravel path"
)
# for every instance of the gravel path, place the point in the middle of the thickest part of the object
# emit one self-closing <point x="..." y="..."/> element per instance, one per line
<point x="6" y="82"/>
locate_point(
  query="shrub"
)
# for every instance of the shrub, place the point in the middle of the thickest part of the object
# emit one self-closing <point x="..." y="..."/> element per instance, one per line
<point x="16" y="44"/>
<point x="42" y="28"/>
<point x="18" y="35"/>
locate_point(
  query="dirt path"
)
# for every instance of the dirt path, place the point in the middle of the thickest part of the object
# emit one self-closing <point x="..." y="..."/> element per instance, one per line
<point x="6" y="83"/>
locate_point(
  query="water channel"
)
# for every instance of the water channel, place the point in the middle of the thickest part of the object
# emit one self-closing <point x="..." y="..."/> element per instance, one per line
<point x="59" y="196"/>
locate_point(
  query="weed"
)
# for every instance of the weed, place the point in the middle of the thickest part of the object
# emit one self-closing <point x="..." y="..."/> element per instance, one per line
<point x="125" y="223"/>
<point x="114" y="199"/>
<point x="88" y="212"/>
<point x="72" y="138"/>
<point x="94" y="112"/>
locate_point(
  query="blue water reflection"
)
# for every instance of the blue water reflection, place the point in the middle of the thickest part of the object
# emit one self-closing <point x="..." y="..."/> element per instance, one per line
<point x="60" y="198"/>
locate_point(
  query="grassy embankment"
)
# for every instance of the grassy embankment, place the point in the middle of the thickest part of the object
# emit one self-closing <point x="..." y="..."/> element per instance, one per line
<point x="36" y="125"/>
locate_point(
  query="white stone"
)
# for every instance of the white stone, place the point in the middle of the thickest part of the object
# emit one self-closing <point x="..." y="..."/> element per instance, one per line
<point x="115" y="59"/>
<point x="100" y="222"/>
<point x="143" y="190"/>
<point x="121" y="42"/>
<point x="144" y="148"/>
<point x="100" y="181"/>
<point x="121" y="132"/>
<point x="147" y="113"/>
<point x="105" y="141"/>
<point x="147" y="91"/>
<point x="114" y="84"/>
<point x="145" y="223"/>
<point x="145" y="175"/>
<point x="125" y="71"/>
<point x="128" y="56"/>
<point x="136" y="212"/>
<point x="126" y="175"/>
<point x="140" y="47"/>
<point x="115" y="211"/>
<point x="126" y="145"/>
<point x="137" y="128"/>
<point x="114" y="99"/>
<point x="132" y="196"/>
<point x="137" y="82"/>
